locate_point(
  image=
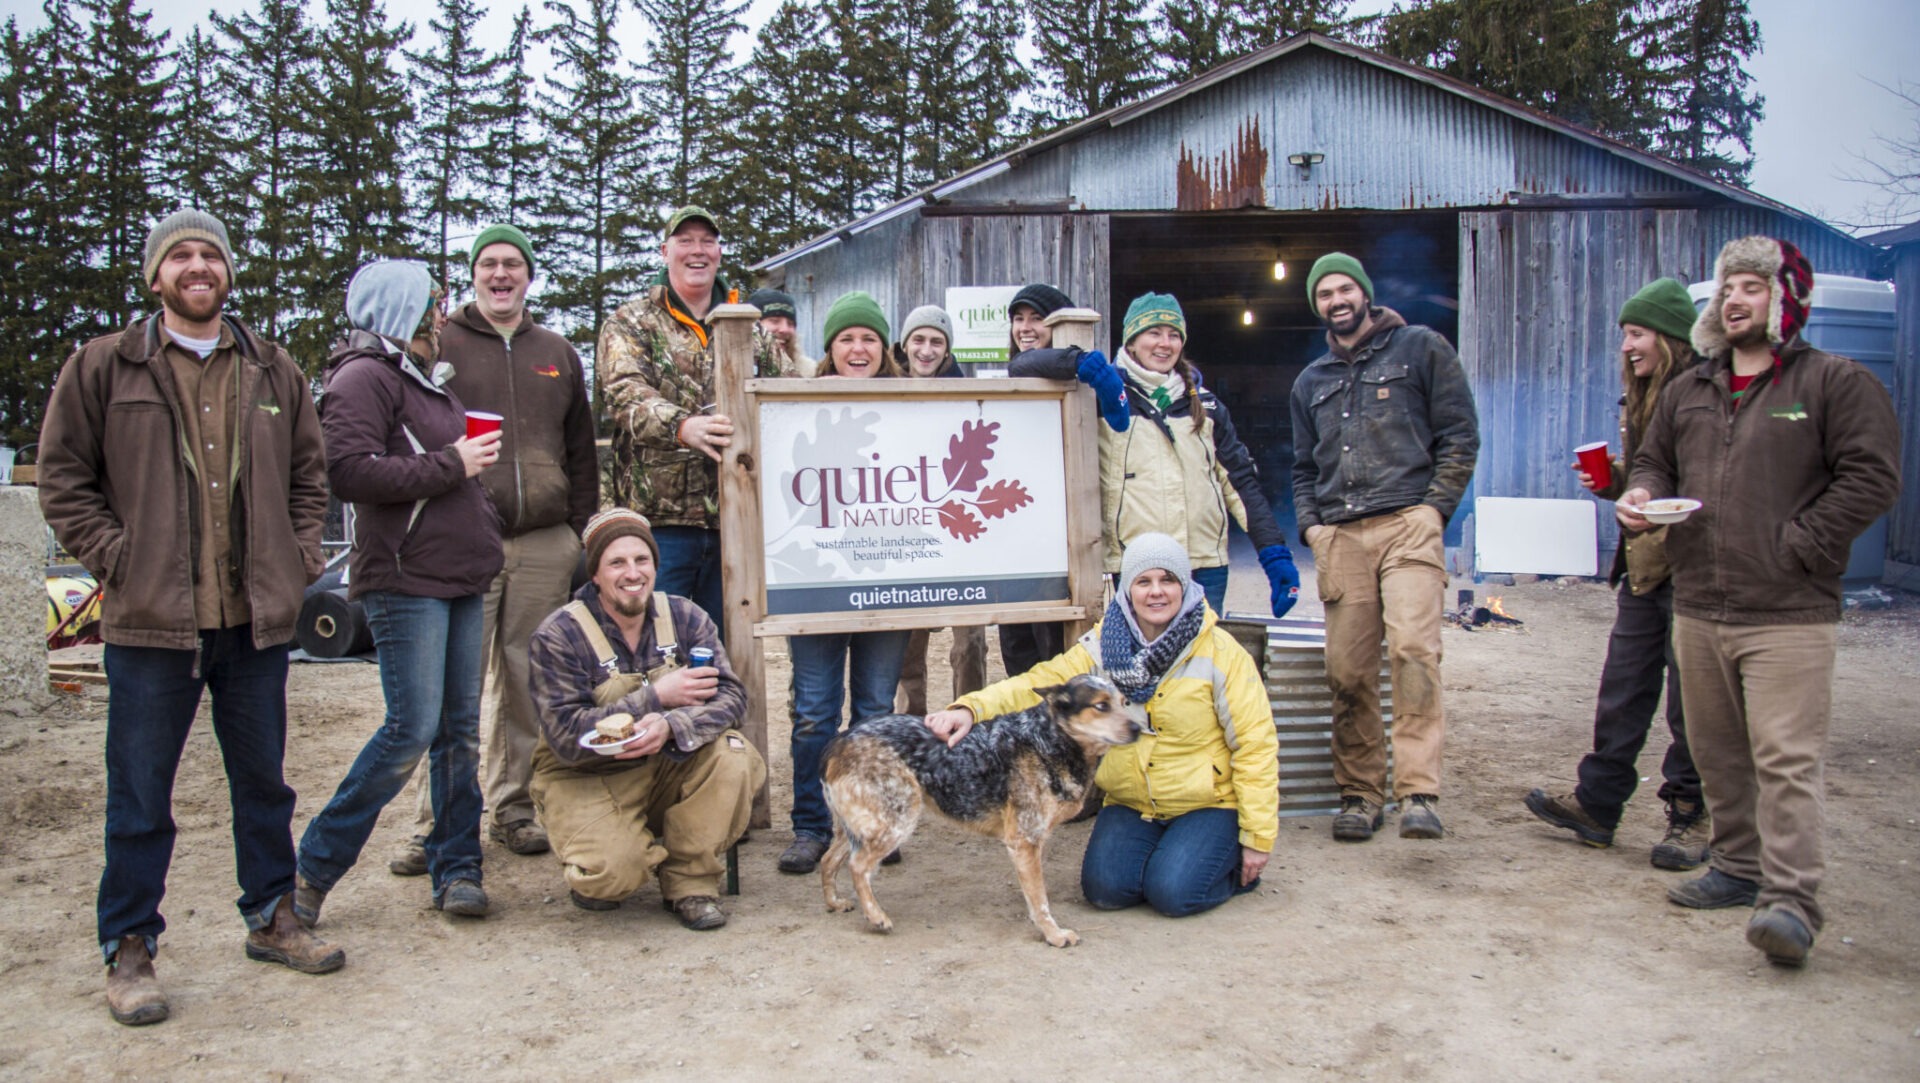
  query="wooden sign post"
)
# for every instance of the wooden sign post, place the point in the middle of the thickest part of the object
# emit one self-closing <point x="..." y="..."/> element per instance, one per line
<point x="740" y="543"/>
<point x="1076" y="327"/>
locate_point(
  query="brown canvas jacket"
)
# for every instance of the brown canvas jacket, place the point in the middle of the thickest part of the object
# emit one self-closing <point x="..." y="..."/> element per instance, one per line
<point x="1786" y="482"/>
<point x="116" y="486"/>
<point x="547" y="472"/>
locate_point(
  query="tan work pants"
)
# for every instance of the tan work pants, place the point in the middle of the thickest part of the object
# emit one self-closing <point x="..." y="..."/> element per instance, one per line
<point x="615" y="821"/>
<point x="532" y="583"/>
<point x="968" y="658"/>
<point x="1385" y="575"/>
<point x="1764" y="697"/>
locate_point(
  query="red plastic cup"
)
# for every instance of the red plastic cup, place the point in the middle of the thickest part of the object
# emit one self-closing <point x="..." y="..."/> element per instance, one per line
<point x="479" y="423"/>
<point x="1593" y="459"/>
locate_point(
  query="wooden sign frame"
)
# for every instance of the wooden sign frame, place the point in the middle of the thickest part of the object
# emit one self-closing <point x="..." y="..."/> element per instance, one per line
<point x="742" y="539"/>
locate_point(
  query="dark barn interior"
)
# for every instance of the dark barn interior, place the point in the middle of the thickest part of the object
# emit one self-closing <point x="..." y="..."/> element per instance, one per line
<point x="1250" y="332"/>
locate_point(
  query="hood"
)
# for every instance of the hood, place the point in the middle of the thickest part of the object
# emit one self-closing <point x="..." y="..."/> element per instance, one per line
<point x="1384" y="320"/>
<point x="389" y="298"/>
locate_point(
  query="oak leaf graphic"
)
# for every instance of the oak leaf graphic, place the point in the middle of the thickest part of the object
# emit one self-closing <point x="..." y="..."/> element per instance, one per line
<point x="1002" y="498"/>
<point x="967" y="454"/>
<point x="959" y="521"/>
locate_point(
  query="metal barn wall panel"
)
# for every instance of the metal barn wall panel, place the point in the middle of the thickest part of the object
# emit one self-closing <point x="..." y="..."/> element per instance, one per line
<point x="1828" y="251"/>
<point x="1903" y="524"/>
<point x="875" y="261"/>
<point x="1540" y="294"/>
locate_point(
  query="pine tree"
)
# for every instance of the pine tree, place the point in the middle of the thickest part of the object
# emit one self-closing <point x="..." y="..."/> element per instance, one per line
<point x="270" y="60"/>
<point x="355" y="114"/>
<point x="515" y="151"/>
<point x="777" y="147"/>
<point x="455" y="83"/>
<point x="856" y="131"/>
<point x="685" y="82"/>
<point x="124" y="115"/>
<point x="1707" y="107"/>
<point x="969" y="77"/>
<point x="592" y="221"/>
<point x="1193" y="36"/>
<point x="26" y="365"/>
<point x="1091" y="57"/>
<point x="197" y="148"/>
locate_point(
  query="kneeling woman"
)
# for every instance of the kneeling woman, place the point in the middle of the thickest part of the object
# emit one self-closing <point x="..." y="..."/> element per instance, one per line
<point x="1193" y="807"/>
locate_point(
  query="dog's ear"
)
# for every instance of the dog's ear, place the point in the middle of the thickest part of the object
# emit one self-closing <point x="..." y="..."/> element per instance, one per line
<point x="1058" y="697"/>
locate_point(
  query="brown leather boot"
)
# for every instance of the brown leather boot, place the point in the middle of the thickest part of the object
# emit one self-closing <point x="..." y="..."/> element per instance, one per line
<point x="134" y="995"/>
<point x="285" y="941"/>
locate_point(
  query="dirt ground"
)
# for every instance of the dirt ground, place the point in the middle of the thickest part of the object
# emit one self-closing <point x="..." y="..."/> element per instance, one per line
<point x="1506" y="951"/>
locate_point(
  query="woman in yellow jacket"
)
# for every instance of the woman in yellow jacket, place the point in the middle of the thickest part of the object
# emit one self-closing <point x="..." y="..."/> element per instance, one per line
<point x="1193" y="807"/>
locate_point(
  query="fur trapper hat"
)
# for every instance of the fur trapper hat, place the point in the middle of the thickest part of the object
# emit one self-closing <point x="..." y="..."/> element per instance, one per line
<point x="1784" y="268"/>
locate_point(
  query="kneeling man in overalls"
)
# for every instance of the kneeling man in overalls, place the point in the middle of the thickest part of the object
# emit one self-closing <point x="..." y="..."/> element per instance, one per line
<point x="640" y="769"/>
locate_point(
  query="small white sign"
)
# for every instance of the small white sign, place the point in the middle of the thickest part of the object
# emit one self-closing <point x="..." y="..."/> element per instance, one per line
<point x="1539" y="537"/>
<point x="981" y="329"/>
<point x="909" y="504"/>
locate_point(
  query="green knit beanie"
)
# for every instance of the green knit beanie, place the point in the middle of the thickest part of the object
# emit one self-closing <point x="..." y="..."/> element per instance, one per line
<point x="1338" y="263"/>
<point x="496" y="235"/>
<point x="1152" y="310"/>
<point x="856" y="309"/>
<point x="1663" y="305"/>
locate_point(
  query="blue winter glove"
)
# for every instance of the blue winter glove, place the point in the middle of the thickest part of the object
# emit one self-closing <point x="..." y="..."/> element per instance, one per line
<point x="1283" y="579"/>
<point x="1096" y="372"/>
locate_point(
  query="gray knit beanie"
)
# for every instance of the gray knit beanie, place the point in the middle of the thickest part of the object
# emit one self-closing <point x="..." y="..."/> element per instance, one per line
<point x="185" y="225"/>
<point x="927" y="316"/>
<point x="1149" y="551"/>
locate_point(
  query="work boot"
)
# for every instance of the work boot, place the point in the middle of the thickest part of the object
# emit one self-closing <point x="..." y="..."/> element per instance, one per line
<point x="1419" y="819"/>
<point x="523" y="837"/>
<point x="1566" y="811"/>
<point x="134" y="995"/>
<point x="1359" y="818"/>
<point x="307" y="901"/>
<point x="411" y="858"/>
<point x="697" y="912"/>
<point x="1783" y="936"/>
<point x="803" y="855"/>
<point x="1689" y="829"/>
<point x="463" y="897"/>
<point x="1714" y="891"/>
<point x="285" y="940"/>
<point x="588" y="902"/>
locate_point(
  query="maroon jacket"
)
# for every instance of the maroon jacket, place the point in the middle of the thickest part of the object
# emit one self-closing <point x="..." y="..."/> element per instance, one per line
<point x="421" y="526"/>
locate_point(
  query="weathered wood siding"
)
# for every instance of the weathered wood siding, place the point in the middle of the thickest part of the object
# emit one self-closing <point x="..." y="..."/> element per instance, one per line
<point x="1903" y="525"/>
<point x="1539" y="295"/>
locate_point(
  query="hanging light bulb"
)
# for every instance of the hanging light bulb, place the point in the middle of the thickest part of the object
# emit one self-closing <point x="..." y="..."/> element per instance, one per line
<point x="1246" y="318"/>
<point x="1279" y="270"/>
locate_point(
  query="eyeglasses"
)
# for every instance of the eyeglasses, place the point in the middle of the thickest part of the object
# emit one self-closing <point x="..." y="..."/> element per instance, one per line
<point x="488" y="266"/>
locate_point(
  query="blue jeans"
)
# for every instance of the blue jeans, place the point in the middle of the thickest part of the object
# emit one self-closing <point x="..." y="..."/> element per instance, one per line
<point x="430" y="671"/>
<point x="153" y="694"/>
<point x="825" y="667"/>
<point x="1213" y="581"/>
<point x="1179" y="867"/>
<point x="690" y="567"/>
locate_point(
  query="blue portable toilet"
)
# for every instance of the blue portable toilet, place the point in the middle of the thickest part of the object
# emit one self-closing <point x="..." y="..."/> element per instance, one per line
<point x="1853" y="317"/>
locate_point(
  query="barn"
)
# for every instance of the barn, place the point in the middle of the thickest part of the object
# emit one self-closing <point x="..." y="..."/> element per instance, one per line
<point x="1515" y="234"/>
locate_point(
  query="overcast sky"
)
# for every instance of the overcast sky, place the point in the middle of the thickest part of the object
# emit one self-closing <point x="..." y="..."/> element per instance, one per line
<point x="1817" y="70"/>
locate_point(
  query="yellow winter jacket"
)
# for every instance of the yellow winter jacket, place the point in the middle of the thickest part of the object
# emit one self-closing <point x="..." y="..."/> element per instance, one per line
<point x="1214" y="744"/>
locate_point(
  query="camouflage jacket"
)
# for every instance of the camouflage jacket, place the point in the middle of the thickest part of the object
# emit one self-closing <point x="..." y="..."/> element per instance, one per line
<point x="655" y="367"/>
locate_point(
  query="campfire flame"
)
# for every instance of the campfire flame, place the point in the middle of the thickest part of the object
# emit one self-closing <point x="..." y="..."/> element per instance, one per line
<point x="1493" y="606"/>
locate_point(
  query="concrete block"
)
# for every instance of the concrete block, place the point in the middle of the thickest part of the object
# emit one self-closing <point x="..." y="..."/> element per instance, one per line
<point x="23" y="597"/>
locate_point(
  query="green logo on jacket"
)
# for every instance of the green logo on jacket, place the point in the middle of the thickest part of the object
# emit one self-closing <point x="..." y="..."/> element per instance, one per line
<point x="1796" y="412"/>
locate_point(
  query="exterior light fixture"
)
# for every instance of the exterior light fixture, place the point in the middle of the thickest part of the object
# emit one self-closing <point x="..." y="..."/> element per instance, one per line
<point x="1306" y="159"/>
<point x="1246" y="318"/>
<point x="1279" y="270"/>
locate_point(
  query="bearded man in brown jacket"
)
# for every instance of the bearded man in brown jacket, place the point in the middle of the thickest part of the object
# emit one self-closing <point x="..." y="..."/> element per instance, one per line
<point x="181" y="464"/>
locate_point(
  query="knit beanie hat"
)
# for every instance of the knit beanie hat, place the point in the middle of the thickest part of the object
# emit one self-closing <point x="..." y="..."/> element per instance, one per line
<point x="928" y="316"/>
<point x="856" y="309"/>
<point x="1153" y="310"/>
<point x="1041" y="297"/>
<point x="1784" y="268"/>
<point x="185" y="225"/>
<point x="774" y="303"/>
<point x="502" y="233"/>
<point x="1148" y="551"/>
<point x="610" y="525"/>
<point x="1663" y="305"/>
<point x="1342" y="264"/>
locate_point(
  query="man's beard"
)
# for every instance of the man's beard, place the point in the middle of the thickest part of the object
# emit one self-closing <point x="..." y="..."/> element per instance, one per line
<point x="1348" y="324"/>
<point x="1754" y="335"/>
<point x="196" y="307"/>
<point x="627" y="605"/>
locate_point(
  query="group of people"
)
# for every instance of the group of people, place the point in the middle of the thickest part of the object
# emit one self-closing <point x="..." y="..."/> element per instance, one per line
<point x="186" y="463"/>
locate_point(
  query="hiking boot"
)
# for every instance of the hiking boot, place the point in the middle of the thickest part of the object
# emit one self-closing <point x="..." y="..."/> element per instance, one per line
<point x="286" y="941"/>
<point x="586" y="902"/>
<point x="1359" y="818"/>
<point x="698" y="912"/>
<point x="1714" y="891"/>
<point x="1566" y="811"/>
<point x="523" y="837"/>
<point x="411" y="858"/>
<point x="803" y="856"/>
<point x="463" y="897"/>
<point x="307" y="900"/>
<point x="134" y="995"/>
<point x="1689" y="830"/>
<point x="1420" y="819"/>
<point x="1783" y="936"/>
